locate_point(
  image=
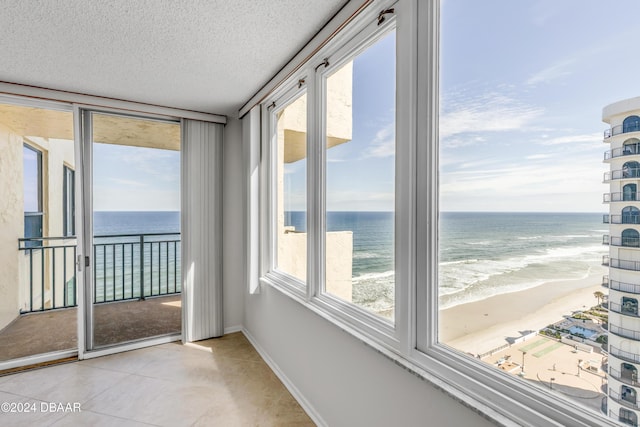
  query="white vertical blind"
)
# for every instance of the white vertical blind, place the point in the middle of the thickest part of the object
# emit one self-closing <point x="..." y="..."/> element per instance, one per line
<point x="201" y="222"/>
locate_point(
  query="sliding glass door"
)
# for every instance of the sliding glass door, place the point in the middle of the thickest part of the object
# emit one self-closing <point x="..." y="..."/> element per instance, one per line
<point x="133" y="286"/>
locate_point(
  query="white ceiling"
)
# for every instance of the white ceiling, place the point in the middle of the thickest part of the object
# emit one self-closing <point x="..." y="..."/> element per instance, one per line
<point x="202" y="55"/>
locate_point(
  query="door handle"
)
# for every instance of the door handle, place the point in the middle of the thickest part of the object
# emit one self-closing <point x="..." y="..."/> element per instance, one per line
<point x="80" y="264"/>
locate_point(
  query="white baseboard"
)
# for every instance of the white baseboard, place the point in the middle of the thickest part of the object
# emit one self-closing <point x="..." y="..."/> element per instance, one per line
<point x="232" y="329"/>
<point x="308" y="408"/>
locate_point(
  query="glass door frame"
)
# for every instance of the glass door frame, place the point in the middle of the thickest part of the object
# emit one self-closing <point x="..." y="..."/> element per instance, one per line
<point x="84" y="221"/>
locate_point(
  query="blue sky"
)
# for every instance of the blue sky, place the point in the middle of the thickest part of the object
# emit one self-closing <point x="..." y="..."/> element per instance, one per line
<point x="523" y="85"/>
<point x="135" y="179"/>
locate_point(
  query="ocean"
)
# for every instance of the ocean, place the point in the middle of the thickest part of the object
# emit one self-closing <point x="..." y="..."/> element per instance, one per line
<point x="484" y="254"/>
<point x="117" y="259"/>
<point x="481" y="254"/>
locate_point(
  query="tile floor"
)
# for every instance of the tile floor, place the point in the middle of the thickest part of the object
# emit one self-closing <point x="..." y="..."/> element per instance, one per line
<point x="217" y="382"/>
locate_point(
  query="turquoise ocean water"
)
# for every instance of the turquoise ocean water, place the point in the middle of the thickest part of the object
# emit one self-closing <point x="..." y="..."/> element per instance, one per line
<point x="485" y="254"/>
<point x="481" y="254"/>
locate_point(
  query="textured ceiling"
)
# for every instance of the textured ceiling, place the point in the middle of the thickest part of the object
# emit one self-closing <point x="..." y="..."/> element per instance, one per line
<point x="202" y="55"/>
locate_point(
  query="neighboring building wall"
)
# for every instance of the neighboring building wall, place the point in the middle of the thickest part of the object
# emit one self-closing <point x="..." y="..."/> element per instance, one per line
<point x="17" y="266"/>
<point x="624" y="323"/>
<point x="11" y="222"/>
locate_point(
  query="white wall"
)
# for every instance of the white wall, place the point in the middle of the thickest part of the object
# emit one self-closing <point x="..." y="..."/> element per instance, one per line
<point x="344" y="381"/>
<point x="232" y="234"/>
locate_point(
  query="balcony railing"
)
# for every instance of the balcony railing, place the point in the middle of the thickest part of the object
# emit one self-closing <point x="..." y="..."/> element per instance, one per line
<point x="617" y="130"/>
<point x="629" y="377"/>
<point x="125" y="267"/>
<point x="622" y="264"/>
<point x="50" y="268"/>
<point x="605" y="281"/>
<point x="625" y="310"/>
<point x="623" y="173"/>
<point x="623" y="287"/>
<point x="624" y="355"/>
<point x="136" y="266"/>
<point x="621" y="219"/>
<point x="623" y="400"/>
<point x="633" y="242"/>
<point x="624" y="332"/>
<point x="628" y="419"/>
<point x="627" y="150"/>
<point x="621" y="197"/>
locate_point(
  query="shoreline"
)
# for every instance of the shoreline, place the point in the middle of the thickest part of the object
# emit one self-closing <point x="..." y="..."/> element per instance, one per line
<point x="480" y="326"/>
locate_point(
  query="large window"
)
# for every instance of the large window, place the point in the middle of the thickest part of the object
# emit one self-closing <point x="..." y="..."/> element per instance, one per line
<point x="290" y="146"/>
<point x="360" y="177"/>
<point x="32" y="180"/>
<point x="350" y="229"/>
<point x="410" y="170"/>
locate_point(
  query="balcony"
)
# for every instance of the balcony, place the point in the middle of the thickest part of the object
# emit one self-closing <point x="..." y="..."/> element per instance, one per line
<point x="126" y="267"/>
<point x="621" y="219"/>
<point x="621" y="197"/>
<point x="624" y="310"/>
<point x="139" y="273"/>
<point x="624" y="332"/>
<point x="624" y="173"/>
<point x="628" y="376"/>
<point x="625" y="400"/>
<point x="621" y="263"/>
<point x="628" y="418"/>
<point x="622" y="287"/>
<point x="627" y="150"/>
<point x="620" y="129"/>
<point x="624" y="355"/>
<point x="631" y="242"/>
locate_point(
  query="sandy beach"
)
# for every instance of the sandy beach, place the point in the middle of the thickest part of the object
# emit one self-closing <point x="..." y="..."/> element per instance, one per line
<point x="480" y="326"/>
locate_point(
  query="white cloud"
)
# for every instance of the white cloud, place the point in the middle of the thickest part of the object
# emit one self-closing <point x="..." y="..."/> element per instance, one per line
<point x="384" y="143"/>
<point x="538" y="156"/>
<point x="573" y="139"/>
<point x="489" y="112"/>
<point x="128" y="182"/>
<point x="553" y="72"/>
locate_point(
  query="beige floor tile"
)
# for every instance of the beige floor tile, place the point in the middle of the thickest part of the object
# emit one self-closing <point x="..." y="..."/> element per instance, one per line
<point x="88" y="418"/>
<point x="70" y="382"/>
<point x="29" y="413"/>
<point x="217" y="382"/>
<point x="155" y="401"/>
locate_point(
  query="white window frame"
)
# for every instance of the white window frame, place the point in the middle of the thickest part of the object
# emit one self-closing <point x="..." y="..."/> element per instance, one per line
<point x="412" y="341"/>
<point x="280" y="101"/>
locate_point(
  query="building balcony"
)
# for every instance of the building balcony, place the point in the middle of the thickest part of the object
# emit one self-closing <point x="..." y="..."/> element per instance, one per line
<point x="627" y="377"/>
<point x="622" y="264"/>
<point x="626" y="400"/>
<point x="627" y="150"/>
<point x="625" y="173"/>
<point x="614" y="285"/>
<point x="624" y="310"/>
<point x="624" y="332"/>
<point x="621" y="219"/>
<point x="620" y="129"/>
<point x="624" y="355"/>
<point x="631" y="242"/>
<point x="628" y="417"/>
<point x="621" y="197"/>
